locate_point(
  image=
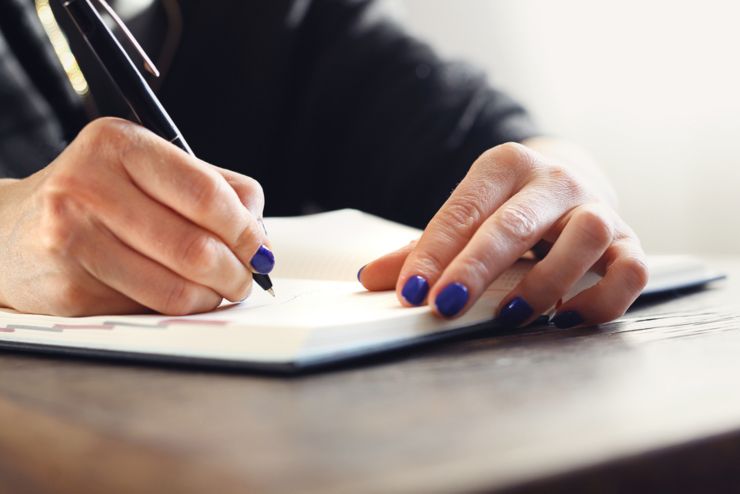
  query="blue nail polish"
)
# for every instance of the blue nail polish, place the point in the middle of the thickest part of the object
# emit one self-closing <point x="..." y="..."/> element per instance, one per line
<point x="415" y="290"/>
<point x="359" y="273"/>
<point x="567" y="319"/>
<point x="451" y="300"/>
<point x="515" y="313"/>
<point x="263" y="261"/>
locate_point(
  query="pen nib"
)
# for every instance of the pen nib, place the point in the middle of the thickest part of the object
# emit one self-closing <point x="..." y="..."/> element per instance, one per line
<point x="271" y="292"/>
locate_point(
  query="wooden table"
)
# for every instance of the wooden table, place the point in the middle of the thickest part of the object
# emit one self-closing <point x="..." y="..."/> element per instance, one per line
<point x="652" y="398"/>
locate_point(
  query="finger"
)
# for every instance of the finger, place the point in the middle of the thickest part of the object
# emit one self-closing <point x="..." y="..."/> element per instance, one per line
<point x="626" y="275"/>
<point x="586" y="237"/>
<point x="195" y="190"/>
<point x="493" y="178"/>
<point x="158" y="233"/>
<point x="143" y="280"/>
<point x="247" y="189"/>
<point x="77" y="293"/>
<point x="250" y="194"/>
<point x="382" y="273"/>
<point x="626" y="234"/>
<point x="504" y="237"/>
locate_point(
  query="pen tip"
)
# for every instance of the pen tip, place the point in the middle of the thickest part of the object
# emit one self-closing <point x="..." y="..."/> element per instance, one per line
<point x="271" y="292"/>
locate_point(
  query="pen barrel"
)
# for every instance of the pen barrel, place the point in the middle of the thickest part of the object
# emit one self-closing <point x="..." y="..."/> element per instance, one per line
<point x="123" y="73"/>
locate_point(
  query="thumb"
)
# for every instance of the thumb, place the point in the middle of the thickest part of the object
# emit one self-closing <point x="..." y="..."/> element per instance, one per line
<point x="382" y="273"/>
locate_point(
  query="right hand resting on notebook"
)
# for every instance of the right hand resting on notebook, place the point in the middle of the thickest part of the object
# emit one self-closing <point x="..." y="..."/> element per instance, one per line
<point x="122" y="221"/>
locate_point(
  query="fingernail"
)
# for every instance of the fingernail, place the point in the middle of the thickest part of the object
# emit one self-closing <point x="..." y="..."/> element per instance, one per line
<point x="514" y="313"/>
<point x="451" y="300"/>
<point x="359" y="273"/>
<point x="263" y="261"/>
<point x="567" y="319"/>
<point x="415" y="290"/>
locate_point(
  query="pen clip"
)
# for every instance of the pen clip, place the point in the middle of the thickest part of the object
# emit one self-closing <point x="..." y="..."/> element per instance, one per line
<point x="148" y="64"/>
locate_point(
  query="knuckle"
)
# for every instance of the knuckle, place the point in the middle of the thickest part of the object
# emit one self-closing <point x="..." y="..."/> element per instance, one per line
<point x="511" y="155"/>
<point x="199" y="254"/>
<point x="248" y="190"/>
<point x="508" y="151"/>
<point x="563" y="179"/>
<point x="635" y="272"/>
<point x="63" y="183"/>
<point x="461" y="215"/>
<point x="57" y="223"/>
<point x="518" y="222"/>
<point x="559" y="174"/>
<point x="108" y="133"/>
<point x="487" y="160"/>
<point x="180" y="299"/>
<point x="242" y="291"/>
<point x="68" y="299"/>
<point x="513" y="150"/>
<point x="68" y="189"/>
<point x="249" y="239"/>
<point x="206" y="191"/>
<point x="253" y="196"/>
<point x="474" y="270"/>
<point x="253" y="188"/>
<point x="595" y="226"/>
<point x="428" y="262"/>
<point x="103" y="125"/>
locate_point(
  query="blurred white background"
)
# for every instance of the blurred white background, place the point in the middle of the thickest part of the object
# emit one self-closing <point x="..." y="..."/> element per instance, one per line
<point x="651" y="88"/>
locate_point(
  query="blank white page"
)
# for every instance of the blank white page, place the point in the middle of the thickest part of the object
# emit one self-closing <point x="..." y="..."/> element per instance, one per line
<point x="334" y="245"/>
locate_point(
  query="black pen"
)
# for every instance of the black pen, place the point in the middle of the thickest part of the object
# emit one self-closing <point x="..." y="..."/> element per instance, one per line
<point x="129" y="81"/>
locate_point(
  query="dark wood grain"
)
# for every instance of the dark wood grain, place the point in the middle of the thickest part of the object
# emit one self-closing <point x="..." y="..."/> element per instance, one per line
<point x="542" y="408"/>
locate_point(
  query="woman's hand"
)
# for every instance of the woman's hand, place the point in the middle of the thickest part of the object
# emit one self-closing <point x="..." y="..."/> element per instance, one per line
<point x="122" y="221"/>
<point x="514" y="200"/>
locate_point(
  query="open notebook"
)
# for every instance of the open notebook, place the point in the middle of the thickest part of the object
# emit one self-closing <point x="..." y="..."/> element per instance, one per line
<point x="321" y="313"/>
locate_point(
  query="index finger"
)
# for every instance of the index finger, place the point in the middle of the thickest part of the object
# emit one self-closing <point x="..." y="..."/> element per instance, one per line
<point x="196" y="191"/>
<point x="492" y="179"/>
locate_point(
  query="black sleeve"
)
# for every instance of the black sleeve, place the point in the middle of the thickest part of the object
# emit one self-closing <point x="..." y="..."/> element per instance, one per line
<point x="328" y="103"/>
<point x="386" y="125"/>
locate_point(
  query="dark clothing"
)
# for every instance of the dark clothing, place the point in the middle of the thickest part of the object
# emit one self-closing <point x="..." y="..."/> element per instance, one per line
<point x="325" y="102"/>
<point x="31" y="134"/>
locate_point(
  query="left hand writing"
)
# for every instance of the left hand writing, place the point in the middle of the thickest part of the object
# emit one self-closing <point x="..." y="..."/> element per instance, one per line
<point x="512" y="201"/>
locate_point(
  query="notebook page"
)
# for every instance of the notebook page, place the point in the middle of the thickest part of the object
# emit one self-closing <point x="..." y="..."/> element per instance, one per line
<point x="333" y="245"/>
